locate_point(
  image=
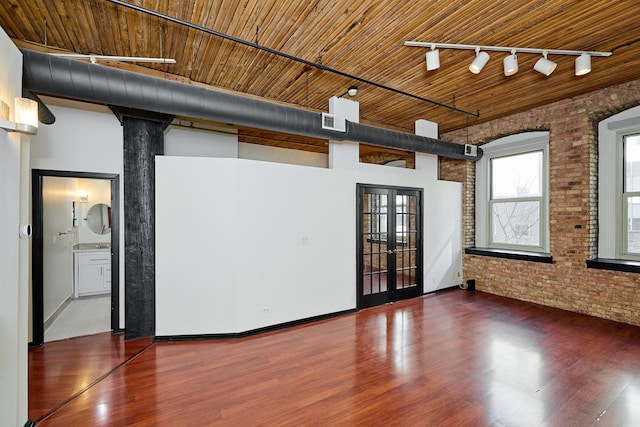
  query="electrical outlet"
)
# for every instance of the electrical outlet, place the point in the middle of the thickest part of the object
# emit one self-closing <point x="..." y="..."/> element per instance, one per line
<point x="265" y="309"/>
<point x="458" y="274"/>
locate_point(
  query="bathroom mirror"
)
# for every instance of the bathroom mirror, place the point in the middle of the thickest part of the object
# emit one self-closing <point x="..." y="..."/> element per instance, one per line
<point x="99" y="218"/>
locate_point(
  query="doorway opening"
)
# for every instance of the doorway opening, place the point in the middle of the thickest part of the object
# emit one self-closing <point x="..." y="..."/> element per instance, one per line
<point x="75" y="251"/>
<point x="389" y="224"/>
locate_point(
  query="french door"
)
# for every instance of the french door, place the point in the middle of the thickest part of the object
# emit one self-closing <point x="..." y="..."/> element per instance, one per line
<point x="389" y="244"/>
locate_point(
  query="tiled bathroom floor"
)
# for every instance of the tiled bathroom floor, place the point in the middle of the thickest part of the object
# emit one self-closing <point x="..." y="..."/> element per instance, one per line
<point x="83" y="316"/>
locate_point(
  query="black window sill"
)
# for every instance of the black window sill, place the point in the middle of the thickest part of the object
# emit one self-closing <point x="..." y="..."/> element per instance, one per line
<point x="510" y="254"/>
<point x="614" y="264"/>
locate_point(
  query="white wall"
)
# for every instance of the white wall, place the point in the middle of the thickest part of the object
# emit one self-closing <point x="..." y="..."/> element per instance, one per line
<point x="198" y="142"/>
<point x="58" y="239"/>
<point x="14" y="252"/>
<point x="185" y="194"/>
<point x="84" y="138"/>
<point x="88" y="138"/>
<point x="265" y="243"/>
<point x="443" y="236"/>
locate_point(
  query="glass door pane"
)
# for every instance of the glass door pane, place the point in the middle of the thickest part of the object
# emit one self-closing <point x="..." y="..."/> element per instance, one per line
<point x="374" y="243"/>
<point x="407" y="283"/>
<point x="389" y="266"/>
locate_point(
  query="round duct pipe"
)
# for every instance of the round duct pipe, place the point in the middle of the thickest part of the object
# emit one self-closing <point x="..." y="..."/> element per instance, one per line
<point x="84" y="81"/>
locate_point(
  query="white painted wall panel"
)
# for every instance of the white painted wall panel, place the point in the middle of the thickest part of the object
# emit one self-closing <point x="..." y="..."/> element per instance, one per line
<point x="196" y="245"/>
<point x="84" y="138"/>
<point x="180" y="141"/>
<point x="13" y="251"/>
<point x="58" y="239"/>
<point x="296" y="243"/>
<point x="443" y="236"/>
<point x="243" y="245"/>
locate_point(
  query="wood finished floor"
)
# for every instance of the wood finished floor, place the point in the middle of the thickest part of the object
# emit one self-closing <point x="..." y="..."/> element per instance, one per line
<point x="453" y="359"/>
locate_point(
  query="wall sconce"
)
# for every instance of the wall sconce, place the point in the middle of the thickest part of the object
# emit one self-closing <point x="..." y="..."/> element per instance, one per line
<point x="25" y="117"/>
<point x="83" y="196"/>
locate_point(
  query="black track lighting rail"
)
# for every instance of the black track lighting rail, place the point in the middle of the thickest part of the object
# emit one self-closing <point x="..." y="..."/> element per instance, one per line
<point x="316" y="65"/>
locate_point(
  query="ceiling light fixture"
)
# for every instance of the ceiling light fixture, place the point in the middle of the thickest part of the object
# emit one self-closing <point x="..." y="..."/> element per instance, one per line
<point x="510" y="64"/>
<point x="545" y="66"/>
<point x="583" y="64"/>
<point x="352" y="91"/>
<point x="479" y="62"/>
<point x="433" y="58"/>
<point x="583" y="60"/>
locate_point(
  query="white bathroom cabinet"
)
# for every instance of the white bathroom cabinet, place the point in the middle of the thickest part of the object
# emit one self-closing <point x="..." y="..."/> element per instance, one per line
<point x="92" y="272"/>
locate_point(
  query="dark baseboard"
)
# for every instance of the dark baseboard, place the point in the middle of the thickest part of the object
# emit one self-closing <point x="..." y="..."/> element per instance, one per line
<point x="439" y="291"/>
<point x="30" y="423"/>
<point x="200" y="337"/>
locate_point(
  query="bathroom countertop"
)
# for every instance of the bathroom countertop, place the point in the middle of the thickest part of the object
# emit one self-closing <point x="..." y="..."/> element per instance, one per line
<point x="91" y="247"/>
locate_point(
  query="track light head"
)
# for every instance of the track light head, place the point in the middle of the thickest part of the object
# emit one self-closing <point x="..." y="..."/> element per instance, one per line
<point x="544" y="66"/>
<point x="510" y="64"/>
<point x="433" y="59"/>
<point x="583" y="64"/>
<point x="479" y="62"/>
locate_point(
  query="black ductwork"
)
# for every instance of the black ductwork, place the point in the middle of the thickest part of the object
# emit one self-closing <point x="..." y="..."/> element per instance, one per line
<point x="45" y="116"/>
<point x="52" y="75"/>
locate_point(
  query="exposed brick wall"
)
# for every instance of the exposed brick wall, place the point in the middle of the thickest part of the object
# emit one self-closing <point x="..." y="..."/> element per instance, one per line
<point x="573" y="208"/>
<point x="381" y="158"/>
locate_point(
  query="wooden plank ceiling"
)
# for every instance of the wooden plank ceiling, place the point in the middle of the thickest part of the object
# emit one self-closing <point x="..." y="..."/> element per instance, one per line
<point x="363" y="39"/>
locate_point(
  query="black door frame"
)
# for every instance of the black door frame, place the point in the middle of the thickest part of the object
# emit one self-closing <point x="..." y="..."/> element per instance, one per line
<point x="37" y="262"/>
<point x="360" y="245"/>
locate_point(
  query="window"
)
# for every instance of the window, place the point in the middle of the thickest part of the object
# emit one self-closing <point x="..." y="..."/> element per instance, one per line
<point x="631" y="195"/>
<point x="516" y="199"/>
<point x="619" y="186"/>
<point x="512" y="193"/>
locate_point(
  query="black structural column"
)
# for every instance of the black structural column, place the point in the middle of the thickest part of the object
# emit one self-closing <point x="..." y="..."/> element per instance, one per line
<point x="143" y="140"/>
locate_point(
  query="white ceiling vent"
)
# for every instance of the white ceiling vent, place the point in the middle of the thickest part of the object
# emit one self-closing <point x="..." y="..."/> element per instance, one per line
<point x="332" y="122"/>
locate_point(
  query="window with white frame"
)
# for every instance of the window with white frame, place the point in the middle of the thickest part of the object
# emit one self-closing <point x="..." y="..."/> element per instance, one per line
<point x="512" y="193"/>
<point x="619" y="186"/>
<point x="631" y="194"/>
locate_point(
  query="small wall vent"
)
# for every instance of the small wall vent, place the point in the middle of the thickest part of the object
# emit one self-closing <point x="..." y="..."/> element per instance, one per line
<point x="332" y="122"/>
